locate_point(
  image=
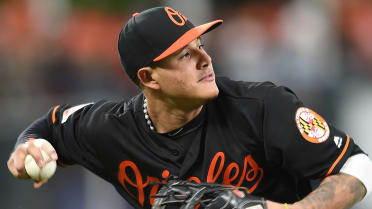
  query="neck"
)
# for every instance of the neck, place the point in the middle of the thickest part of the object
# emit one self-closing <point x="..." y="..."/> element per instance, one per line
<point x="168" y="115"/>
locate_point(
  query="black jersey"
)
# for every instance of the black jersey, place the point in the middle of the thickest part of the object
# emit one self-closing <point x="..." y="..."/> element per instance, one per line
<point x="256" y="135"/>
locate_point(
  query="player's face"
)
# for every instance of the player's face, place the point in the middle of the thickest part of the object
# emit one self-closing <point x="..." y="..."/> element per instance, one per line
<point x="187" y="74"/>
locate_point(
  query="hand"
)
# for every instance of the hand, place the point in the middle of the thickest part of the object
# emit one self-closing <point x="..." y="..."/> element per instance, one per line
<point x="16" y="162"/>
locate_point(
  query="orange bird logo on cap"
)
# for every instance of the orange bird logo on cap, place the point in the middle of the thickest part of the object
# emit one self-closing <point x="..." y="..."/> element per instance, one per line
<point x="173" y="13"/>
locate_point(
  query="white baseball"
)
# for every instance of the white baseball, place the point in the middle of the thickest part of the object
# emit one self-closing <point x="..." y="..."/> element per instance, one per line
<point x="35" y="172"/>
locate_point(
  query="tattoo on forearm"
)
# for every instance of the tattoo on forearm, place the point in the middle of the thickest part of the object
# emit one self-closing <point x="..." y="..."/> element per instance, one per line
<point x="339" y="191"/>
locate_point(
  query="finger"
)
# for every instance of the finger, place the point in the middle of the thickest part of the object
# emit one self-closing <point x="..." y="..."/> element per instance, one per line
<point x="11" y="166"/>
<point x="19" y="165"/>
<point x="38" y="184"/>
<point x="18" y="158"/>
<point x="35" y="152"/>
<point x="49" y="149"/>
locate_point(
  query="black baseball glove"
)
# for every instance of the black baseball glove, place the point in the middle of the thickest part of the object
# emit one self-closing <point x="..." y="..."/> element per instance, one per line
<point x="188" y="195"/>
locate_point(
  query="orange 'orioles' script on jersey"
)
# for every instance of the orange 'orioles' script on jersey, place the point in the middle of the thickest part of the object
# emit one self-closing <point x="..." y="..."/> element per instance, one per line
<point x="251" y="173"/>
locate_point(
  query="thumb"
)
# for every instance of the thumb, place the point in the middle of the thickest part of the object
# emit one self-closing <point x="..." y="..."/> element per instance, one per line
<point x="38" y="184"/>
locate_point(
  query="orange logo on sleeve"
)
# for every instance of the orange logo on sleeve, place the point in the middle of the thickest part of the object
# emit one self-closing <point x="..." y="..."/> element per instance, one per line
<point x="173" y="13"/>
<point x="311" y="125"/>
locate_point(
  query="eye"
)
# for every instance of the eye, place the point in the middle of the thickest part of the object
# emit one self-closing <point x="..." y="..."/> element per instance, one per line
<point x="186" y="55"/>
<point x="201" y="46"/>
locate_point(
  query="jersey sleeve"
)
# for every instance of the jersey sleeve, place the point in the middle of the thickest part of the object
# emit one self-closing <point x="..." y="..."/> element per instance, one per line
<point x="69" y="134"/>
<point x="299" y="140"/>
<point x="69" y="130"/>
<point x="37" y="129"/>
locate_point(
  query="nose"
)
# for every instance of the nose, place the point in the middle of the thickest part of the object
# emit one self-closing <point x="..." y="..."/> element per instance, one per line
<point x="204" y="60"/>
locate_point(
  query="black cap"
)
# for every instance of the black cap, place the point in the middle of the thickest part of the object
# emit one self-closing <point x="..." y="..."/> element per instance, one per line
<point x="154" y="34"/>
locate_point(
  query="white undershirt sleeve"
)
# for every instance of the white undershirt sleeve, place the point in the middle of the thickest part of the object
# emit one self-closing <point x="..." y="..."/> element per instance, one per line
<point x="359" y="166"/>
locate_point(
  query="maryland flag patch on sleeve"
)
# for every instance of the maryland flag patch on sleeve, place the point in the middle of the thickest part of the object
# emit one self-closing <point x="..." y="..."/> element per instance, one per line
<point x="311" y="125"/>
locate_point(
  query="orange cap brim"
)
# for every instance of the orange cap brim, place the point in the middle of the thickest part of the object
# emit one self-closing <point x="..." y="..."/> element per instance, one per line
<point x="188" y="37"/>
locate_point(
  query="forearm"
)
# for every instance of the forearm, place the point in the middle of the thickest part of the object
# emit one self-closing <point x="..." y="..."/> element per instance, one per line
<point x="339" y="191"/>
<point x="38" y="129"/>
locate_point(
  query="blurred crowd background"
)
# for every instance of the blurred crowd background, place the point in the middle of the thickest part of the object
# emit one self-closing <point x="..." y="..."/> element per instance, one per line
<point x="65" y="51"/>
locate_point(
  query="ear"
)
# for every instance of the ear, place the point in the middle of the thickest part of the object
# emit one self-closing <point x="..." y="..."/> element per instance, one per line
<point x="145" y="75"/>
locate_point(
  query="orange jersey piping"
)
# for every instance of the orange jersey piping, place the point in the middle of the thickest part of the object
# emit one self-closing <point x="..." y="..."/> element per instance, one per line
<point x="339" y="157"/>
<point x="54" y="114"/>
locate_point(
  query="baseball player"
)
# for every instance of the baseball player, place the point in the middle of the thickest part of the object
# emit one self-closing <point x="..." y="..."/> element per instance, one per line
<point x="189" y="123"/>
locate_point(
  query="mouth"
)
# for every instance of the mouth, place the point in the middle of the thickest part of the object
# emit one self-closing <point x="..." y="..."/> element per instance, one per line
<point x="207" y="78"/>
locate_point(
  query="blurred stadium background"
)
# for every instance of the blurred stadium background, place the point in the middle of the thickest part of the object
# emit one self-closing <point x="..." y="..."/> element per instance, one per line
<point x="64" y="51"/>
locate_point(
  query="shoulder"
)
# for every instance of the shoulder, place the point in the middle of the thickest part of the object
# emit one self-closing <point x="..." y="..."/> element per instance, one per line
<point x="94" y="112"/>
<point x="105" y="108"/>
<point x="241" y="98"/>
<point x="103" y="115"/>
<point x="243" y="89"/>
<point x="243" y="94"/>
